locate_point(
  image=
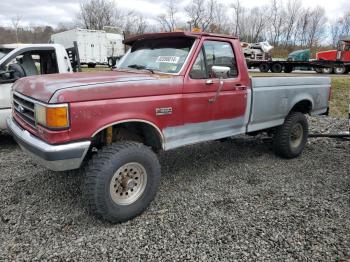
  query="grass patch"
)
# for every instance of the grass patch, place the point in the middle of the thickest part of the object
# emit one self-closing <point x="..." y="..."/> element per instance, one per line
<point x="339" y="105"/>
<point x="96" y="69"/>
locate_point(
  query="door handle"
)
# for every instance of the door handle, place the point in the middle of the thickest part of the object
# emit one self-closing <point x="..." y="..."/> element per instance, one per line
<point x="240" y="87"/>
<point x="209" y="82"/>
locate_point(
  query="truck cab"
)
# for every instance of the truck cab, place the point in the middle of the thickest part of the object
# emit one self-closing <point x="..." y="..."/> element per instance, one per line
<point x="22" y="60"/>
<point x="341" y="54"/>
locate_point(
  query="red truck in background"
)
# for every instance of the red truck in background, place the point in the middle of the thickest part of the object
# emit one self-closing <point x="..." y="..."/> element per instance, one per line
<point x="341" y="54"/>
<point x="169" y="90"/>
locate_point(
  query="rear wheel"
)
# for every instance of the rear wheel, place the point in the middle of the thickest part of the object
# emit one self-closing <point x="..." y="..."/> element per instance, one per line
<point x="276" y="68"/>
<point x="327" y="70"/>
<point x="264" y="68"/>
<point x="288" y="69"/>
<point x="111" y="62"/>
<point x="290" y="138"/>
<point x="121" y="181"/>
<point x="91" y="65"/>
<point x="340" y="70"/>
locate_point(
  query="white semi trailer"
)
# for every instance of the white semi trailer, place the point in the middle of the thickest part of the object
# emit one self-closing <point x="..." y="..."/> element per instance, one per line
<point x="96" y="47"/>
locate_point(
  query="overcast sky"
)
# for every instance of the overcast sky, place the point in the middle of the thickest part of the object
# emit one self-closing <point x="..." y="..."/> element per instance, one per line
<point x="53" y="12"/>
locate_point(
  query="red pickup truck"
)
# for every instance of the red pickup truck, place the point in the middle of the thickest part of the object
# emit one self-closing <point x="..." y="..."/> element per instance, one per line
<point x="169" y="90"/>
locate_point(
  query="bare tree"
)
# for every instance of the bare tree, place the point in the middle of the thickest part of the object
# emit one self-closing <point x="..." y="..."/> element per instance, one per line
<point x="302" y="27"/>
<point x="16" y="23"/>
<point x="140" y="24"/>
<point x="258" y="21"/>
<point x="317" y="29"/>
<point x="95" y="14"/>
<point x="201" y="13"/>
<point x="131" y="23"/>
<point x="293" y="9"/>
<point x="168" y="21"/>
<point x="340" y="27"/>
<point x="220" y="22"/>
<point x="277" y="19"/>
<point x="238" y="11"/>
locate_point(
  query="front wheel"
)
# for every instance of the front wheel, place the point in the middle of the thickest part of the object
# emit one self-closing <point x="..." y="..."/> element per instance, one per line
<point x="264" y="67"/>
<point x="318" y="70"/>
<point x="121" y="181"/>
<point x="290" y="138"/>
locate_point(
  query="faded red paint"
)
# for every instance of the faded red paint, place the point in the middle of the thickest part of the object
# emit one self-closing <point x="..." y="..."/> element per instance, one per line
<point x="331" y="55"/>
<point x="100" y="99"/>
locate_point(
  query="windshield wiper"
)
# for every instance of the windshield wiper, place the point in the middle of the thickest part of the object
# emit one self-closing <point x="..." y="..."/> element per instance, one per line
<point x="141" y="67"/>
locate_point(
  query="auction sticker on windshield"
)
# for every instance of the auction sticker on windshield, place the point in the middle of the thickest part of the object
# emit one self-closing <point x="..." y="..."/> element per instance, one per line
<point x="168" y="59"/>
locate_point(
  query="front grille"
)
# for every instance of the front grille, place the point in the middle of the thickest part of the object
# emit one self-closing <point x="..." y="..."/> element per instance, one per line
<point x="24" y="108"/>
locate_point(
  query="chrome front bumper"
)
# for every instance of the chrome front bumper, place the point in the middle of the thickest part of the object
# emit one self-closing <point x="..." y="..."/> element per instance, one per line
<point x="54" y="157"/>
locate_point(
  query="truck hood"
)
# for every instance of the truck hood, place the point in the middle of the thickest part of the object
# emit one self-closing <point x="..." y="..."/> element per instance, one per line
<point x="79" y="87"/>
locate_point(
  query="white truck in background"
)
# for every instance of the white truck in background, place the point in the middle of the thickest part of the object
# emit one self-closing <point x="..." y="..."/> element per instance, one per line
<point x="115" y="48"/>
<point x="22" y="60"/>
<point x="96" y="47"/>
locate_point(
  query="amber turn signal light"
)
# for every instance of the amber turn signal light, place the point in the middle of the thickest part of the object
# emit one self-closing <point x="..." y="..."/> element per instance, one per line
<point x="55" y="117"/>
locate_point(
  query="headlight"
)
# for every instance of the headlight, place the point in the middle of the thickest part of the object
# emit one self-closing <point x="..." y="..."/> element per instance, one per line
<point x="55" y="117"/>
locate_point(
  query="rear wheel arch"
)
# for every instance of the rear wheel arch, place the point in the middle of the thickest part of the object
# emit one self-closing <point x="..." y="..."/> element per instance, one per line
<point x="303" y="106"/>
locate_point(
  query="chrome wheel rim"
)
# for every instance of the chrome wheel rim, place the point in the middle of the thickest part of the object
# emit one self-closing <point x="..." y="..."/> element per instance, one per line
<point x="296" y="135"/>
<point x="128" y="183"/>
<point x="339" y="70"/>
<point x="327" y="70"/>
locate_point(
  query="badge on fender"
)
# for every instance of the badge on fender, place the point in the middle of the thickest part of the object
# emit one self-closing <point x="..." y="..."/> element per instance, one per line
<point x="164" y="111"/>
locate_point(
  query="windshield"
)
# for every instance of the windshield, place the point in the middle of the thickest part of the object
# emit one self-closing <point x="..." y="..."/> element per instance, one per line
<point x="165" y="55"/>
<point x="4" y="51"/>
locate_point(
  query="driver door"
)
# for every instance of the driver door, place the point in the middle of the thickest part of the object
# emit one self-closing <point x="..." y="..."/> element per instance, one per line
<point x="205" y="120"/>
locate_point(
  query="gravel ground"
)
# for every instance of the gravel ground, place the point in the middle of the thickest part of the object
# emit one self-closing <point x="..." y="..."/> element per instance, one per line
<point x="232" y="200"/>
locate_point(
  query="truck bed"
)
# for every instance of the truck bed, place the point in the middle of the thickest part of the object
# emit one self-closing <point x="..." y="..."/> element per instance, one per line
<point x="273" y="97"/>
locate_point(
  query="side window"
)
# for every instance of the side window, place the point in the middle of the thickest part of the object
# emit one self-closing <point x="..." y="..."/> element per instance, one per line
<point x="34" y="63"/>
<point x="220" y="54"/>
<point x="29" y="63"/>
<point x="198" y="70"/>
<point x="48" y="62"/>
<point x="25" y="64"/>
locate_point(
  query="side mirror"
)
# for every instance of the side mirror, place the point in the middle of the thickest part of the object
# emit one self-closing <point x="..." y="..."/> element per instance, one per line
<point x="221" y="71"/>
